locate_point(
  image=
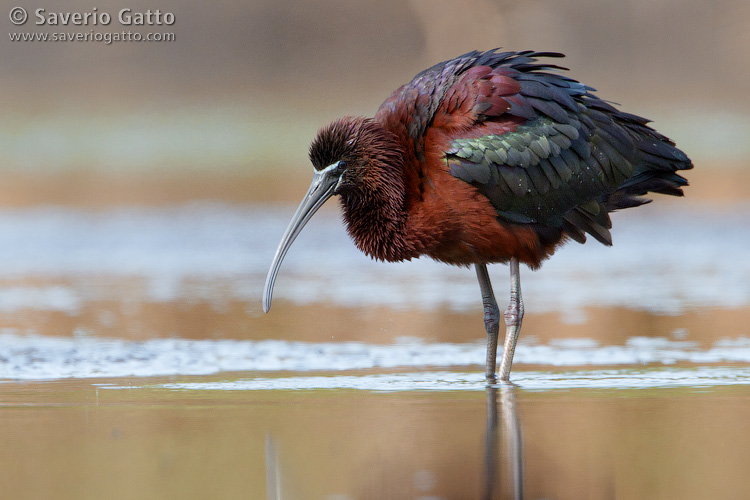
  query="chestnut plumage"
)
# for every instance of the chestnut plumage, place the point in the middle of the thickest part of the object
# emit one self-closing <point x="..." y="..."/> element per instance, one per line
<point x="489" y="157"/>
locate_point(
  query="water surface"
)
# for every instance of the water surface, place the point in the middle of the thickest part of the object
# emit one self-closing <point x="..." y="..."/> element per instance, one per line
<point x="135" y="362"/>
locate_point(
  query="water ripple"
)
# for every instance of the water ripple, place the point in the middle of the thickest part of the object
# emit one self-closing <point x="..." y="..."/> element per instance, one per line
<point x="453" y="381"/>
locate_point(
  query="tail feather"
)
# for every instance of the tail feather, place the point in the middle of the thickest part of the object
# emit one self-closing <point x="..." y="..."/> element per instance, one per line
<point x="660" y="160"/>
<point x="631" y="193"/>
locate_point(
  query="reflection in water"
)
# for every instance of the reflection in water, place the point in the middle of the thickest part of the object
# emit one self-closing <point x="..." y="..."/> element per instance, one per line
<point x="512" y="464"/>
<point x="273" y="474"/>
<point x="497" y="470"/>
<point x="490" y="448"/>
<point x="330" y="444"/>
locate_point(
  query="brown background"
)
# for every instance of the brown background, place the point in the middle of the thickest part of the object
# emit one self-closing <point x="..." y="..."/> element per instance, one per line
<point x="227" y="109"/>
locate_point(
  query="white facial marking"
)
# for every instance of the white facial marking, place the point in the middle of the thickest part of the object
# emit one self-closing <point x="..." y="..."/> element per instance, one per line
<point x="330" y="167"/>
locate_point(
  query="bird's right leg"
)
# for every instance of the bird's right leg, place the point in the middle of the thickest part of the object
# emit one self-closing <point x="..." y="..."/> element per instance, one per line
<point x="513" y="318"/>
<point x="491" y="320"/>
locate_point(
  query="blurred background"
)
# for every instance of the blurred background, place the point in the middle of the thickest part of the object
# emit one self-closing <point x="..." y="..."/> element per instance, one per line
<point x="144" y="187"/>
<point x="227" y="110"/>
<point x="206" y="138"/>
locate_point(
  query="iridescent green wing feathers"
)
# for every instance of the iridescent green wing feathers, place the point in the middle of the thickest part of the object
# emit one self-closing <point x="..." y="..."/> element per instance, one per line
<point x="572" y="159"/>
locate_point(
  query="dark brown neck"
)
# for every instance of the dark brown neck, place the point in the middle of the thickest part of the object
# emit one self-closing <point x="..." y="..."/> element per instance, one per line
<point x="374" y="212"/>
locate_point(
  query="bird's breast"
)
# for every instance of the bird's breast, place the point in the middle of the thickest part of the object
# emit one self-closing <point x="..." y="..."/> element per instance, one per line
<point x="451" y="221"/>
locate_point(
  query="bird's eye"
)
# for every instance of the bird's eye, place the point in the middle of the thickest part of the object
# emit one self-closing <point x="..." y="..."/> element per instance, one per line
<point x="341" y="165"/>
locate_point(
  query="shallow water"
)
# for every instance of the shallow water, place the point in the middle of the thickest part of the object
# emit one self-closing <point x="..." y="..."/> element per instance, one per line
<point x="187" y="438"/>
<point x="135" y="362"/>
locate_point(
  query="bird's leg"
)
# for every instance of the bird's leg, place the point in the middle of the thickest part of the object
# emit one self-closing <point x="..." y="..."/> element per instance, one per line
<point x="491" y="320"/>
<point x="513" y="318"/>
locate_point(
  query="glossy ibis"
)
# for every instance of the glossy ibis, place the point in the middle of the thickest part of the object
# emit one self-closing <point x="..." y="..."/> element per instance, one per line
<point x="488" y="157"/>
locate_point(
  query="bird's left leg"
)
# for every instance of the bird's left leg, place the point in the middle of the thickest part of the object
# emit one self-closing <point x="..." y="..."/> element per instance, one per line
<point x="513" y="318"/>
<point x="491" y="320"/>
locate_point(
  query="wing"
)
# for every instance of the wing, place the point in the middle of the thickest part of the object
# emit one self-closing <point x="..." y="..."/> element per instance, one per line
<point x="545" y="150"/>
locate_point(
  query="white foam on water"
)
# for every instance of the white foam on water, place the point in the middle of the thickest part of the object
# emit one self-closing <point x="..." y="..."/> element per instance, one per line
<point x="48" y="358"/>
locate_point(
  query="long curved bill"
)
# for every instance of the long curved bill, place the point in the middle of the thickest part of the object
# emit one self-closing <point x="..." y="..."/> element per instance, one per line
<point x="322" y="187"/>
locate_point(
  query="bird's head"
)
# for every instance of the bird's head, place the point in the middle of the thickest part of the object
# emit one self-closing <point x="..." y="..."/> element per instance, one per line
<point x="353" y="157"/>
<point x="359" y="153"/>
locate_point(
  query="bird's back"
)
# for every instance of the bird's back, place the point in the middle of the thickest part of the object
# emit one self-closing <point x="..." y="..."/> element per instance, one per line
<point x="542" y="148"/>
